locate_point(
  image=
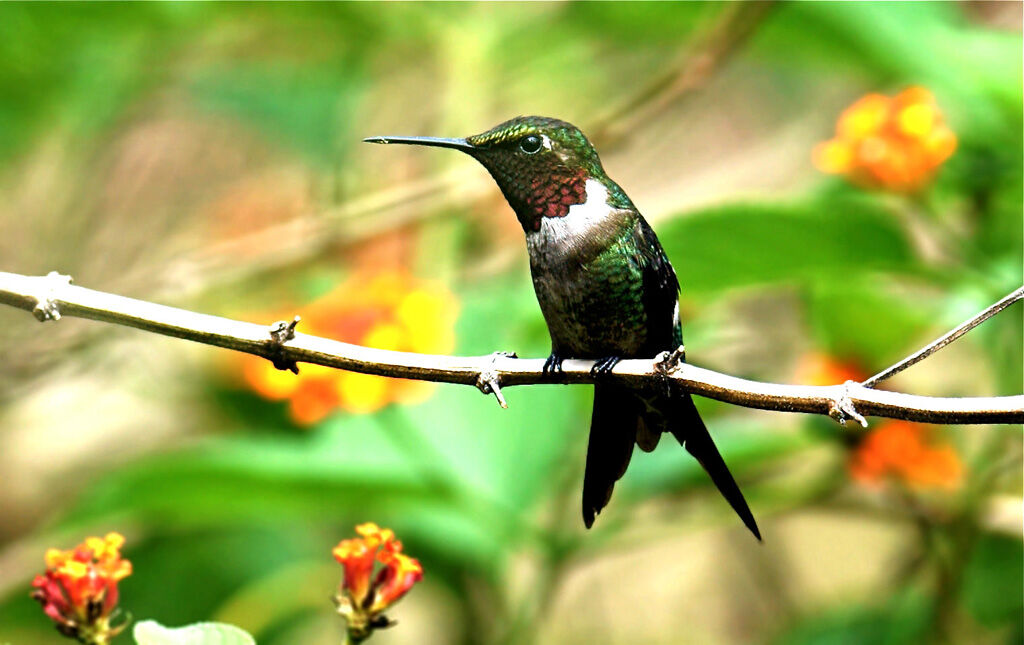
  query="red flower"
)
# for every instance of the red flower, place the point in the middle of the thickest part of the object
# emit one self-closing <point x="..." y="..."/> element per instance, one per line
<point x="817" y="368"/>
<point x="79" y="592"/>
<point x="901" y="450"/>
<point x="399" y="574"/>
<point x="363" y="595"/>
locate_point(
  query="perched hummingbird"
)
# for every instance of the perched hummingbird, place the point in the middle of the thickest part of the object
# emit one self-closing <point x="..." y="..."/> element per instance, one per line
<point x="605" y="286"/>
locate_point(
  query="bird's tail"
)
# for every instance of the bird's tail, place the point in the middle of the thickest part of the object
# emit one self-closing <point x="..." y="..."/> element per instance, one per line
<point x="689" y="429"/>
<point x="621" y="419"/>
<point x="613" y="429"/>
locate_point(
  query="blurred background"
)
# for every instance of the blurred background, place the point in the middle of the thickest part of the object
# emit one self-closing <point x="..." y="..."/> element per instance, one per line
<point x="836" y="185"/>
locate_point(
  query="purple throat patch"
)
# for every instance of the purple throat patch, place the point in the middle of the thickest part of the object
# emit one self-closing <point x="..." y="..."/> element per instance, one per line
<point x="552" y="196"/>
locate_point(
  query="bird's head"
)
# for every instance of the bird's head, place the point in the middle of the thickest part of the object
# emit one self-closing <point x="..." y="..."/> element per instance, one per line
<point x="541" y="164"/>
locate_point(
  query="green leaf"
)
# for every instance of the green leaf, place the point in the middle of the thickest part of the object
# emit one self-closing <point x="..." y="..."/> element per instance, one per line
<point x="626" y="24"/>
<point x="857" y="320"/>
<point x="307" y="107"/>
<point x="744" y="445"/>
<point x="993" y="580"/>
<point x="901" y="622"/>
<point x="820" y="240"/>
<point x="150" y="632"/>
<point x="879" y="44"/>
<point x="228" y="559"/>
<point x="224" y="481"/>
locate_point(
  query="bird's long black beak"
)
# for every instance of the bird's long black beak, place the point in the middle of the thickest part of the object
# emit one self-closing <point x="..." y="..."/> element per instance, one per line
<point x="437" y="142"/>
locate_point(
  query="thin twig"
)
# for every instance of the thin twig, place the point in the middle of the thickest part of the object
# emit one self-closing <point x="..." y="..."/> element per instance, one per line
<point x="939" y="343"/>
<point x="712" y="47"/>
<point x="27" y="292"/>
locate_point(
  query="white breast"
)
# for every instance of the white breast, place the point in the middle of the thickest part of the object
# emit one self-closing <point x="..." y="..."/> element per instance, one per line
<point x="558" y="232"/>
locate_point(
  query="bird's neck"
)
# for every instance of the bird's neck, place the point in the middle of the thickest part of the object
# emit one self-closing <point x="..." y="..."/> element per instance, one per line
<point x="585" y="228"/>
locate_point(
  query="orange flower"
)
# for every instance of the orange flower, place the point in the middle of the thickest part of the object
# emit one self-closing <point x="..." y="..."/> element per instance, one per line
<point x="399" y="574"/>
<point x="893" y="143"/>
<point x="385" y="310"/>
<point x="79" y="589"/>
<point x="363" y="596"/>
<point x="817" y="368"/>
<point x="900" y="449"/>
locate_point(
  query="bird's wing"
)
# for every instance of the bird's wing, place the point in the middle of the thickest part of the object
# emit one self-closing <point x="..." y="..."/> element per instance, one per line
<point x="660" y="293"/>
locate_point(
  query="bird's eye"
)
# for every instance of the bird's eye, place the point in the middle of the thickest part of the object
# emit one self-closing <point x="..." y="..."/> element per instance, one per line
<point x="530" y="144"/>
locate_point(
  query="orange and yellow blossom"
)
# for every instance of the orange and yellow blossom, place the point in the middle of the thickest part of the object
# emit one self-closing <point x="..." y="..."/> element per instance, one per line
<point x="891" y="143"/>
<point x="386" y="310"/>
<point x="818" y="368"/>
<point x="79" y="591"/>
<point x="901" y="450"/>
<point x="364" y="594"/>
<point x="894" y="449"/>
<point x="399" y="574"/>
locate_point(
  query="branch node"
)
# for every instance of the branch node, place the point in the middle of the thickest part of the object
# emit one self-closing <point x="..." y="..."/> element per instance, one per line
<point x="842" y="409"/>
<point x="46" y="303"/>
<point x="488" y="381"/>
<point x="280" y="333"/>
<point x="666" y="362"/>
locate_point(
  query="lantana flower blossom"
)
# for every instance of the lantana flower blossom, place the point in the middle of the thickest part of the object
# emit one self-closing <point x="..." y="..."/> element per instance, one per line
<point x="79" y="591"/>
<point x="889" y="143"/>
<point x="893" y="450"/>
<point x="387" y="309"/>
<point x="819" y="368"/>
<point x="376" y="575"/>
<point x="908" y="453"/>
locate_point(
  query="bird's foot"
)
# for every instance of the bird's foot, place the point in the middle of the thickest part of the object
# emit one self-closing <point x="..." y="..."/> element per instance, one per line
<point x="553" y="365"/>
<point x="605" y="365"/>
<point x="666" y="362"/>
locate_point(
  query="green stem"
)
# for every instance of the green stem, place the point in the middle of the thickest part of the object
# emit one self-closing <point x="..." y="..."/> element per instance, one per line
<point x="349" y="639"/>
<point x="96" y="633"/>
<point x="955" y="541"/>
<point x="560" y="547"/>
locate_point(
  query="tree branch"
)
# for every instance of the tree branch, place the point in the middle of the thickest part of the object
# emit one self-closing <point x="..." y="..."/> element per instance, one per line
<point x="712" y="47"/>
<point x="944" y="340"/>
<point x="50" y="297"/>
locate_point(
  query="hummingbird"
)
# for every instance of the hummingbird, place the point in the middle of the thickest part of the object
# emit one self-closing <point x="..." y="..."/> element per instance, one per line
<point x="606" y="289"/>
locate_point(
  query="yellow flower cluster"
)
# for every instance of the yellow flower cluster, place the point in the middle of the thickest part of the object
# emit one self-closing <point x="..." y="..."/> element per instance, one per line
<point x="387" y="310"/>
<point x="892" y="143"/>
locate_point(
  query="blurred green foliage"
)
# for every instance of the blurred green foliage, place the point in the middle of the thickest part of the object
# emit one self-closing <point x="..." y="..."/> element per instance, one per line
<point x="236" y="521"/>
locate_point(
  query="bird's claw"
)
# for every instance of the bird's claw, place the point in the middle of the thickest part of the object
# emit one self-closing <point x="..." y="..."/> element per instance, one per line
<point x="553" y="365"/>
<point x="605" y="365"/>
<point x="666" y="362"/>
